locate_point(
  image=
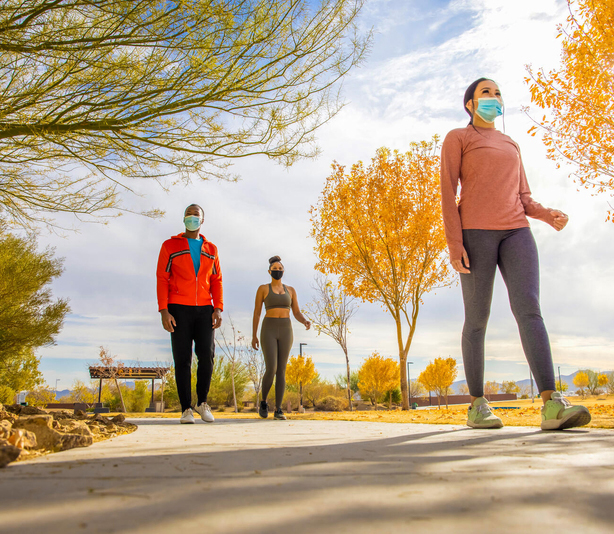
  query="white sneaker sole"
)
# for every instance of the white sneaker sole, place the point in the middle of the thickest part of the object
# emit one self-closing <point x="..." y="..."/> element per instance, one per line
<point x="496" y="424"/>
<point x="203" y="417"/>
<point x="186" y="422"/>
<point x="579" y="418"/>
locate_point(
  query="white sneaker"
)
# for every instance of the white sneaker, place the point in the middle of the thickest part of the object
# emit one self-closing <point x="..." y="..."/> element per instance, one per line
<point x="205" y="412"/>
<point x="187" y="417"/>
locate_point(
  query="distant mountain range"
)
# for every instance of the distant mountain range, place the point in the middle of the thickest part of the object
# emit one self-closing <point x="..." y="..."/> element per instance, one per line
<point x="566" y="379"/>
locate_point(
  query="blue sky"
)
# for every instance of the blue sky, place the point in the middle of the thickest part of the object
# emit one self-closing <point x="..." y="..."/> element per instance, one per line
<point x="424" y="55"/>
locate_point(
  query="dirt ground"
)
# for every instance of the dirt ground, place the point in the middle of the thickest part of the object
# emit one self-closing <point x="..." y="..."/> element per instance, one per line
<point x="513" y="413"/>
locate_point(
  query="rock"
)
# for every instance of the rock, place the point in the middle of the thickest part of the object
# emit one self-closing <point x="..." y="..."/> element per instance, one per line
<point x="119" y="418"/>
<point x="23" y="439"/>
<point x="50" y="438"/>
<point x="7" y="416"/>
<point x="8" y="454"/>
<point x="13" y="408"/>
<point x="99" y="418"/>
<point x="76" y="427"/>
<point x="32" y="410"/>
<point x="5" y="429"/>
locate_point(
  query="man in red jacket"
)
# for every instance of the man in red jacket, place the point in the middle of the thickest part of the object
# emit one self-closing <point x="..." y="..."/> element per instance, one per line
<point x="190" y="301"/>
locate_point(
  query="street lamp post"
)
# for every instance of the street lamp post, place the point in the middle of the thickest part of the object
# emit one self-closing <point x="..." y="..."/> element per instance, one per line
<point x="560" y="383"/>
<point x="409" y="382"/>
<point x="300" y="348"/>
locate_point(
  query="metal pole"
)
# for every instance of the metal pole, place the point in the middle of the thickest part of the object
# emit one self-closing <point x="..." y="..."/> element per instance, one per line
<point x="531" y="378"/>
<point x="99" y="391"/>
<point x="152" y="390"/>
<point x="560" y="383"/>
<point x="409" y="382"/>
<point x="300" y="348"/>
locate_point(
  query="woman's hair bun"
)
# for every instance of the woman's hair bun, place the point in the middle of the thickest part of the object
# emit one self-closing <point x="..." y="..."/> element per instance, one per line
<point x="274" y="259"/>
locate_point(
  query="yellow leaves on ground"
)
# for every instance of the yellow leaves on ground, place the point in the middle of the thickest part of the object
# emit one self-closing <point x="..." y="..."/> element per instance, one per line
<point x="580" y="96"/>
<point x="524" y="415"/>
<point x="376" y="376"/>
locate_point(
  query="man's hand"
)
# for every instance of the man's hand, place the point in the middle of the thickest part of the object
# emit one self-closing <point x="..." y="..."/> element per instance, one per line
<point x="168" y="321"/>
<point x="458" y="264"/>
<point x="216" y="318"/>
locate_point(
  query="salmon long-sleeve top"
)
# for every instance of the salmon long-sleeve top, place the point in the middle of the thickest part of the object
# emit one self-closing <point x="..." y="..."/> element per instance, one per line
<point x="494" y="192"/>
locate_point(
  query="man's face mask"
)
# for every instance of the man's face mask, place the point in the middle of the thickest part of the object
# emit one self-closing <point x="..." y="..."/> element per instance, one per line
<point x="192" y="222"/>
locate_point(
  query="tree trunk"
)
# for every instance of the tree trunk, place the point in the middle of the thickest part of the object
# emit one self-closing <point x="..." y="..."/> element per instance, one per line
<point x="402" y="362"/>
<point x="390" y="400"/>
<point x="121" y="397"/>
<point x="234" y="394"/>
<point x="347" y="363"/>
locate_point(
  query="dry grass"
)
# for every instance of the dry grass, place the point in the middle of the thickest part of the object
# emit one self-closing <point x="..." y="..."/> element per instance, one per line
<point x="522" y="413"/>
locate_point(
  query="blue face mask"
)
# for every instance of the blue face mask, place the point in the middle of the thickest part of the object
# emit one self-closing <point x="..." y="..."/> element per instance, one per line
<point x="192" y="222"/>
<point x="489" y="109"/>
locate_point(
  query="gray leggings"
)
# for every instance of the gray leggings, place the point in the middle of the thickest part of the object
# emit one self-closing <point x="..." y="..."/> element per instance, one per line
<point x="276" y="340"/>
<point x="515" y="252"/>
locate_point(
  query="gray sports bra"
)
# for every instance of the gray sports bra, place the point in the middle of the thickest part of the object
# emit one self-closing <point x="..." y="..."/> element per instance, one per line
<point x="273" y="300"/>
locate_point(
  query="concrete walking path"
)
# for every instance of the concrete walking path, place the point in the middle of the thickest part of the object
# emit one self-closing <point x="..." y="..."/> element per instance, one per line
<point x="294" y="477"/>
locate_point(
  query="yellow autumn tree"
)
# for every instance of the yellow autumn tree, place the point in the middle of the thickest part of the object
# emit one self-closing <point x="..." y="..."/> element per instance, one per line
<point x="581" y="382"/>
<point x="509" y="386"/>
<point x="300" y="372"/>
<point x="378" y="228"/>
<point x="579" y="96"/>
<point x="376" y="376"/>
<point x="602" y="380"/>
<point x="439" y="376"/>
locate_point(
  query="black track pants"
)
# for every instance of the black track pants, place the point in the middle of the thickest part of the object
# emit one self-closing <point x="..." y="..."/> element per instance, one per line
<point x="194" y="329"/>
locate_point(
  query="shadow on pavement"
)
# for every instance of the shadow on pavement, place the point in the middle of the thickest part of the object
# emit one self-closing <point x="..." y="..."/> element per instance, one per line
<point x="424" y="478"/>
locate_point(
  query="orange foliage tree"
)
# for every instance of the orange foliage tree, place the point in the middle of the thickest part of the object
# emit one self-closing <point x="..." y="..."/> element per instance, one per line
<point x="439" y="376"/>
<point x="379" y="229"/>
<point x="376" y="376"/>
<point x="579" y="96"/>
<point x="300" y="372"/>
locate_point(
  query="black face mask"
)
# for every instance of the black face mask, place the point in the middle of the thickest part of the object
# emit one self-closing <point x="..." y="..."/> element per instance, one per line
<point x="277" y="274"/>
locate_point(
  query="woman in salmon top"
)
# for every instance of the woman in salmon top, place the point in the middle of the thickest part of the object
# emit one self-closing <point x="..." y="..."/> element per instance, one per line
<point x="488" y="228"/>
<point x="276" y="333"/>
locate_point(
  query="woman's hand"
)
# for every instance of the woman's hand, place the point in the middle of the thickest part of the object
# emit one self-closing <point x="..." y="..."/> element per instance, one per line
<point x="255" y="343"/>
<point x="458" y="266"/>
<point x="307" y="324"/>
<point x="560" y="220"/>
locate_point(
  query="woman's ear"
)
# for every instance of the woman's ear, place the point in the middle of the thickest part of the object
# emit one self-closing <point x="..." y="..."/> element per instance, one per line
<point x="469" y="106"/>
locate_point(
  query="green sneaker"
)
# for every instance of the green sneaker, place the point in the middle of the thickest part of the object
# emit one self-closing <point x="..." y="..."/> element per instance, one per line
<point x="558" y="413"/>
<point x="479" y="415"/>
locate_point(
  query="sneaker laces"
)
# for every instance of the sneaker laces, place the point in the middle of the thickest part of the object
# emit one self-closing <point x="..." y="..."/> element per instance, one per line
<point x="484" y="409"/>
<point x="562" y="400"/>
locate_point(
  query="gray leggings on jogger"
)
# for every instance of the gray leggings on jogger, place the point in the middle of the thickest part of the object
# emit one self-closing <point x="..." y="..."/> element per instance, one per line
<point x="276" y="339"/>
<point x="515" y="252"/>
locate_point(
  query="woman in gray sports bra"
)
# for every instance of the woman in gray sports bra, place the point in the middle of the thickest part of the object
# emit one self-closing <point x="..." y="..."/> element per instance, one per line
<point x="276" y="334"/>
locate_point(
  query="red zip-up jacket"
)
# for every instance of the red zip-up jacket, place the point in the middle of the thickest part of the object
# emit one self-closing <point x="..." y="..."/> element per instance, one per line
<point x="176" y="280"/>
